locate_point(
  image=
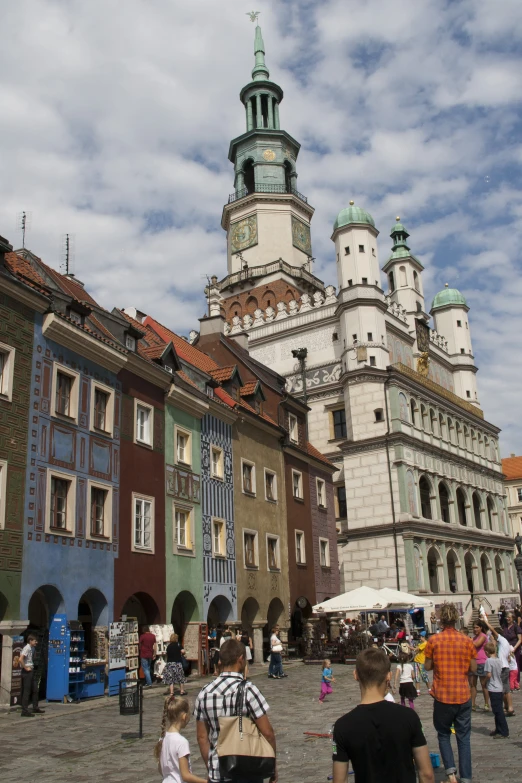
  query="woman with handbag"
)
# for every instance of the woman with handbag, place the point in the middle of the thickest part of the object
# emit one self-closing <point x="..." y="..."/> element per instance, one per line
<point x="247" y="641"/>
<point x="173" y="673"/>
<point x="275" y="670"/>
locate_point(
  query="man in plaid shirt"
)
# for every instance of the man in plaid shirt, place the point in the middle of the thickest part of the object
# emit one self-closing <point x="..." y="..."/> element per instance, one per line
<point x="452" y="656"/>
<point x="218" y="698"/>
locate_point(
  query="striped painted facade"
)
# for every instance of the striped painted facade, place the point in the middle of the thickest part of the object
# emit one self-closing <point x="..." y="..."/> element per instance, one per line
<point x="217" y="499"/>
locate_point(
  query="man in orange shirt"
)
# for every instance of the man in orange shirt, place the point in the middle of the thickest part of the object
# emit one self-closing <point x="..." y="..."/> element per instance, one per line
<point x="451" y="656"/>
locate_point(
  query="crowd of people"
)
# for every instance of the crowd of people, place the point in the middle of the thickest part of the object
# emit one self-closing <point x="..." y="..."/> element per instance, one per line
<point x="380" y="739"/>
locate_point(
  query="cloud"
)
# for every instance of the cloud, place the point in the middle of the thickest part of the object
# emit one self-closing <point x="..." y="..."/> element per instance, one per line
<point x="116" y="122"/>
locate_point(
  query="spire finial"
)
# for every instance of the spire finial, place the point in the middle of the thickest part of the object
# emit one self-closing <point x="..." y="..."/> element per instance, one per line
<point x="260" y="71"/>
<point x="397" y="218"/>
<point x="446" y="285"/>
<point x="352" y="202"/>
<point x="253" y="15"/>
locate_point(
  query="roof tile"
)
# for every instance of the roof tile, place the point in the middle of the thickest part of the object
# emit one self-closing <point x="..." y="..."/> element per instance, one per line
<point x="185" y="350"/>
<point x="223" y="373"/>
<point x="512" y="467"/>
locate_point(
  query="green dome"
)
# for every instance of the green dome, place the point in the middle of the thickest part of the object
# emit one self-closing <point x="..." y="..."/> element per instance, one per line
<point x="447" y="297"/>
<point x="353" y="214"/>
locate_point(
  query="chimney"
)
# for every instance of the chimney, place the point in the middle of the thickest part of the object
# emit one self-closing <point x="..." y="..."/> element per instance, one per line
<point x="212" y="324"/>
<point x="5" y="247"/>
<point x="512" y="455"/>
<point x="241" y="339"/>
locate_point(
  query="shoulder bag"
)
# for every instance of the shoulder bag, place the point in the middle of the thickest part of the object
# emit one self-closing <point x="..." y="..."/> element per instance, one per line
<point x="242" y="750"/>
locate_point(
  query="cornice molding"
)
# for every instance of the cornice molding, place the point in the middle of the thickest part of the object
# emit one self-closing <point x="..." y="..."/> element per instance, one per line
<point x="148" y="371"/>
<point x="438" y="532"/>
<point x="309" y="458"/>
<point x="22" y="293"/>
<point x="64" y="333"/>
<point x="267" y="198"/>
<point x="187" y="402"/>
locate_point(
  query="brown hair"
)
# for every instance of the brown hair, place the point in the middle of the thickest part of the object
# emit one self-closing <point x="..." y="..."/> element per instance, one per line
<point x="404" y="657"/>
<point x="173" y="709"/>
<point x="372" y="666"/>
<point x="31" y="638"/>
<point x="173" y="637"/>
<point x="231" y="652"/>
<point x="449" y="614"/>
<point x="490" y="648"/>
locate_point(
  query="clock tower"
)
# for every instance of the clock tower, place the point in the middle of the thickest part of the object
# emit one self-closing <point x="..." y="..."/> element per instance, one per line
<point x="266" y="219"/>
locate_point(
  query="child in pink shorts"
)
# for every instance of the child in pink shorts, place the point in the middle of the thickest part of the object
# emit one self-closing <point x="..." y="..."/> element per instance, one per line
<point x="513" y="671"/>
<point x="326" y="680"/>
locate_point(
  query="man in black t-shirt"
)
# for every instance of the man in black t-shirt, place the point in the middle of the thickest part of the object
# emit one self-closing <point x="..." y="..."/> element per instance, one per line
<point x="381" y="739"/>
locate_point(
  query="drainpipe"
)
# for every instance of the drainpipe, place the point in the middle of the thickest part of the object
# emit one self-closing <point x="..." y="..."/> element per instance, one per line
<point x="300" y="354"/>
<point x="394" y="519"/>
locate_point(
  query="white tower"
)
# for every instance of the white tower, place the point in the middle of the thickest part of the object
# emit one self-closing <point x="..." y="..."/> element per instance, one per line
<point x="361" y="299"/>
<point x="404" y="275"/>
<point x="450" y="315"/>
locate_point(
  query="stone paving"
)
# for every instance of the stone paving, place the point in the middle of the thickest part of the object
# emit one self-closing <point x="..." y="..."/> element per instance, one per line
<point x="92" y="741"/>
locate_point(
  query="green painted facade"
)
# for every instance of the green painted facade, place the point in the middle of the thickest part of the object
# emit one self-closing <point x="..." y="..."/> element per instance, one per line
<point x="184" y="572"/>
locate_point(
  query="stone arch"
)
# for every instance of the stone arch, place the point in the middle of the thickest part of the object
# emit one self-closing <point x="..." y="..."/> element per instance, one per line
<point x="402" y="276"/>
<point x="4" y="606"/>
<point x="413" y="410"/>
<point x="491" y="513"/>
<point x="44" y="604"/>
<point x="499" y="573"/>
<point x="425" y="494"/>
<point x="249" y="178"/>
<point x="275" y="614"/>
<point x="462" y="504"/>
<point x="477" y="509"/>
<point x="143" y="607"/>
<point x="289" y="296"/>
<point x="434" y="569"/>
<point x="93" y="610"/>
<point x="470" y="567"/>
<point x="251" y="305"/>
<point x="250" y="614"/>
<point x="185" y="610"/>
<point x="403" y="407"/>
<point x="453" y="564"/>
<point x="485" y="567"/>
<point x="444" y="501"/>
<point x="268" y="299"/>
<point x="219" y="611"/>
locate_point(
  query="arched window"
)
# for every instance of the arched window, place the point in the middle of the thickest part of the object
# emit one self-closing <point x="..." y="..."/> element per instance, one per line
<point x="419" y="570"/>
<point x="402" y="276"/>
<point x="485" y="567"/>
<point x="268" y="300"/>
<point x="451" y="430"/>
<point x="433" y="569"/>
<point x="467" y="439"/>
<point x="444" y="502"/>
<point x="251" y="305"/>
<point x="442" y="427"/>
<point x="453" y="565"/>
<point x="425" y="497"/>
<point x="469" y="564"/>
<point x="416" y="282"/>
<point x="249" y="176"/>
<point x="391" y="282"/>
<point x="413" y="408"/>
<point x="235" y="309"/>
<point x="403" y="407"/>
<point x="424" y="418"/>
<point x="289" y="296"/>
<point x="476" y="510"/>
<point x="461" y="507"/>
<point x="490" y="511"/>
<point x="433" y="421"/>
<point x="288" y="177"/>
<point x="499" y="568"/>
<point x="459" y="438"/>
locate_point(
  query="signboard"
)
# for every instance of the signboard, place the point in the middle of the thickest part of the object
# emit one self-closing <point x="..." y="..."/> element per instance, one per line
<point x="191" y="642"/>
<point x="16" y="671"/>
<point x="117" y="657"/>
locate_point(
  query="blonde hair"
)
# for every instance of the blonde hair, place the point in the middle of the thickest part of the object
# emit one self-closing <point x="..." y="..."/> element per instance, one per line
<point x="449" y="614"/>
<point x="174" y="637"/>
<point x="326" y="660"/>
<point x="173" y="709"/>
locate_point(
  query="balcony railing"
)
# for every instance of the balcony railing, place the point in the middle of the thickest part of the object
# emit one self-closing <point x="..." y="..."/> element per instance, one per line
<point x="238" y="194"/>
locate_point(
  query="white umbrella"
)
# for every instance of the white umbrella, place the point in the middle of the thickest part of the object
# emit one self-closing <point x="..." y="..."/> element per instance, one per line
<point x="399" y="598"/>
<point x="354" y="601"/>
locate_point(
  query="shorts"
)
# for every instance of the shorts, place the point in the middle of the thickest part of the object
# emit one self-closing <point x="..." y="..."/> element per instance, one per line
<point x="504" y="676"/>
<point x="480" y="670"/>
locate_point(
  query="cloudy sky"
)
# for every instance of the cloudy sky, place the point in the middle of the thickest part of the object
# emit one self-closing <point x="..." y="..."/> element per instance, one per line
<point x="116" y="119"/>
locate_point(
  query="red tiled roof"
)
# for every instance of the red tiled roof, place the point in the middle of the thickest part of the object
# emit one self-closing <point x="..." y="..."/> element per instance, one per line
<point x="313" y="452"/>
<point x="185" y="350"/>
<point x="98" y="325"/>
<point x="184" y="377"/>
<point x="136" y="324"/>
<point x="22" y="269"/>
<point x="264" y="416"/>
<point x="248" y="389"/>
<point x="225" y="397"/>
<point x="70" y="287"/>
<point x="512" y="467"/>
<point x="223" y="373"/>
<point x="86" y="328"/>
<point x="152" y="351"/>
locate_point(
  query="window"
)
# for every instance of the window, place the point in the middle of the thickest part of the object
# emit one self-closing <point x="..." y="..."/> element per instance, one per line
<point x="293" y="428"/>
<point x="391" y="282"/>
<point x="459" y="323"/>
<point x="130" y="342"/>
<point x="370" y="337"/>
<point x="372" y="361"/>
<point x="321" y="493"/>
<point x="365" y="280"/>
<point x="183" y="528"/>
<point x="354" y="338"/>
<point x="7" y="356"/>
<point x="60" y="512"/>
<point x="324" y="552"/>
<point x="300" y="554"/>
<point x="379" y="414"/>
<point x="346" y="251"/>
<point x="143" y="511"/>
<point x="297" y="485"/>
<point x="272" y="552"/>
<point x="361" y="248"/>
<point x="463" y="350"/>
<point x="519" y="494"/>
<point x="373" y="251"/>
<point x="102" y="408"/>
<point x="144" y="422"/>
<point x="99" y="513"/>
<point x="339" y="423"/>
<point x="248" y="473"/>
<point x="3" y="492"/>
<point x="183" y="447"/>
<point x="350" y="283"/>
<point x="270" y="485"/>
<point x="468" y="394"/>
<point x="65" y="392"/>
<point x="250" y="548"/>
<point x="218" y="538"/>
<point x="341" y="502"/>
<point x="216" y="462"/>
<point x="59" y="492"/>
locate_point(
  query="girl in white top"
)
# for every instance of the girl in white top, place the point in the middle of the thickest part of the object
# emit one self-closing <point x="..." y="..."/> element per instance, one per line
<point x="407" y="689"/>
<point x="172" y="749"/>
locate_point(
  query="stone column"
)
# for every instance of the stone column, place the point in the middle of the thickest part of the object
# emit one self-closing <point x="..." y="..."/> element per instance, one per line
<point x="8" y="629"/>
<point x="478" y="565"/>
<point x="250" y="118"/>
<point x="259" y="114"/>
<point x="333" y="628"/>
<point x="310" y="633"/>
<point x="424" y="552"/>
<point x="240" y="183"/>
<point x="443" y="554"/>
<point x="276" y="116"/>
<point x="270" y="112"/>
<point x="258" y="642"/>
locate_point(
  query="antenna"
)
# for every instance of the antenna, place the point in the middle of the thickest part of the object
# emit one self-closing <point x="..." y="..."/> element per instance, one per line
<point x="23" y="221"/>
<point x="67" y="254"/>
<point x="207" y="291"/>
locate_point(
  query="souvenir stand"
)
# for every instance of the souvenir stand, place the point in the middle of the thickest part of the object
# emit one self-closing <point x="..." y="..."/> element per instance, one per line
<point x="117" y="656"/>
<point x="132" y="650"/>
<point x="70" y="674"/>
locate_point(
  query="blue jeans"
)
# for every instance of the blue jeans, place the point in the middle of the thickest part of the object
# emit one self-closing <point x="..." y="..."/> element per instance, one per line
<point x="145" y="665"/>
<point x="459" y="716"/>
<point x="497" y="707"/>
<point x="276" y="665"/>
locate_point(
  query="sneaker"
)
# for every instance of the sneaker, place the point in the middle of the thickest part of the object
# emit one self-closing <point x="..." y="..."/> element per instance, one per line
<point x="38" y="711"/>
<point x="501" y="736"/>
<point x="493" y="733"/>
<point x="510" y="714"/>
<point x="26" y="714"/>
<point x="284" y="675"/>
<point x="486" y="708"/>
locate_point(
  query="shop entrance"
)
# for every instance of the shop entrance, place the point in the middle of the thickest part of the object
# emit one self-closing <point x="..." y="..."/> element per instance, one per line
<point x="44" y="604"/>
<point x="184" y="611"/>
<point x="219" y="611"/>
<point x="301" y="612"/>
<point x="143" y="607"/>
<point x="92" y="612"/>
<point x="249" y="614"/>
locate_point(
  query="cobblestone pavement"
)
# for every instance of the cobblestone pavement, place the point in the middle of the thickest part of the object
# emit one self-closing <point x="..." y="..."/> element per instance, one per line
<point x="92" y="741"/>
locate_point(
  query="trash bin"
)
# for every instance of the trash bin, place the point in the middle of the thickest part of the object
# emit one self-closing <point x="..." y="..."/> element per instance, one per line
<point x="129" y="697"/>
<point x="435" y="760"/>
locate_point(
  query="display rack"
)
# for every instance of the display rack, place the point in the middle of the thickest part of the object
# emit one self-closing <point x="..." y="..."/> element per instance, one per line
<point x="132" y="655"/>
<point x="117" y="658"/>
<point x="76" y="661"/>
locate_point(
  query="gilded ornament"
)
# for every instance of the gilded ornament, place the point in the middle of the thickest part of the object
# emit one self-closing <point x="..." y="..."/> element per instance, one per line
<point x="423" y="364"/>
<point x="301" y="236"/>
<point x="243" y="234"/>
<point x="269" y="155"/>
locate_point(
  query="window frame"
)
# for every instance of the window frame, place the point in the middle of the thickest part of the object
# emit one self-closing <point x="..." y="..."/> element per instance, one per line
<point x="221" y="462"/>
<point x="303" y="553"/>
<point x="327" y="552"/>
<point x="7" y="377"/>
<point x="109" y="410"/>
<point x="70" y="511"/>
<point x="108" y="509"/>
<point x="277" y="567"/>
<point x="321" y="506"/>
<point x="222" y="537"/>
<point x="141" y="404"/>
<point x="129" y="338"/>
<point x="255" y="564"/>
<point x="293" y="427"/>
<point x="3" y="492"/>
<point x="341" y="409"/>
<point x="519" y="494"/>
<point x="74" y="375"/>
<point x="146" y="499"/>
<point x="338" y="502"/>
<point x="272" y="473"/>
<point x="301" y="489"/>
<point x="189" y="546"/>
<point x="188" y="446"/>
<point x="252" y="492"/>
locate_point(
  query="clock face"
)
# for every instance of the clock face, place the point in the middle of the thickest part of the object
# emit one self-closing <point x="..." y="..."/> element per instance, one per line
<point x="301" y="236"/>
<point x="243" y="234"/>
<point x="269" y="155"/>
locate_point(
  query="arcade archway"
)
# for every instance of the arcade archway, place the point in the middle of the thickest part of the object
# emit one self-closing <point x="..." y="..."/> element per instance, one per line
<point x="143" y="607"/>
<point x="219" y="611"/>
<point x="184" y="611"/>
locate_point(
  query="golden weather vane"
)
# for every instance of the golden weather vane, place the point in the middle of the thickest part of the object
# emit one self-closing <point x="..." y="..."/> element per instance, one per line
<point x="253" y="15"/>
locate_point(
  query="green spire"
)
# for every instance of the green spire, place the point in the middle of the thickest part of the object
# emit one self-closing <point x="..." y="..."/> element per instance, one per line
<point x="399" y="236"/>
<point x="260" y="71"/>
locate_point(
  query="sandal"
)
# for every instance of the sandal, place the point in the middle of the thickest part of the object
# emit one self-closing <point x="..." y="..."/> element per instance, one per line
<point x="473" y="709"/>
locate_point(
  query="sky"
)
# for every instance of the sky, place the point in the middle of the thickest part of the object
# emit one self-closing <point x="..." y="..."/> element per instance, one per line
<point x="116" y="121"/>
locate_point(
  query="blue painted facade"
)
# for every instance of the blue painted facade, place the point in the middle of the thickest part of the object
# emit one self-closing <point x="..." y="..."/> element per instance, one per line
<point x="67" y="566"/>
<point x="217" y="498"/>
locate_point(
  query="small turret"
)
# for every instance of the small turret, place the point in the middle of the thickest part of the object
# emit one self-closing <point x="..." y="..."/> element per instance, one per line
<point x="404" y="274"/>
<point x="355" y="238"/>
